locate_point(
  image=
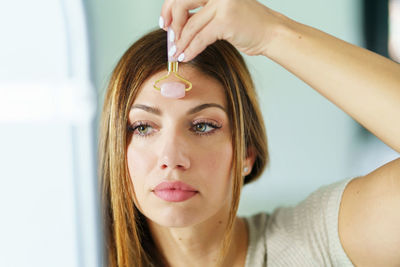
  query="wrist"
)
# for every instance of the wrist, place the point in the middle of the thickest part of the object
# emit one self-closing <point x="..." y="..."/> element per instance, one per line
<point x="280" y="35"/>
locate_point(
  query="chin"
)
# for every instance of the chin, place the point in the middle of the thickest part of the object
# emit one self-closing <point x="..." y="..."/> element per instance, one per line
<point x="176" y="218"/>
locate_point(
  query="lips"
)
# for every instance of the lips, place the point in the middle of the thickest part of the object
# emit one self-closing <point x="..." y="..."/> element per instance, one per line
<point x="174" y="191"/>
<point x="174" y="185"/>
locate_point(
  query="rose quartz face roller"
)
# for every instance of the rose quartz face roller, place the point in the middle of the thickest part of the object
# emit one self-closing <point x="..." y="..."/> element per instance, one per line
<point x="175" y="89"/>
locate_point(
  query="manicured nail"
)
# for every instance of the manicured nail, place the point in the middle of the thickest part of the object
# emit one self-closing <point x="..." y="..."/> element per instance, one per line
<point x="181" y="57"/>
<point x="161" y="22"/>
<point x="171" y="35"/>
<point x="172" y="51"/>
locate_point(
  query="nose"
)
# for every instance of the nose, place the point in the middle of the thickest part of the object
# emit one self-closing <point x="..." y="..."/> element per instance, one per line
<point x="173" y="153"/>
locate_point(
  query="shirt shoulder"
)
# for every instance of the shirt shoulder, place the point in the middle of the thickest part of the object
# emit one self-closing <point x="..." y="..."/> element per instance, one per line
<point x="303" y="235"/>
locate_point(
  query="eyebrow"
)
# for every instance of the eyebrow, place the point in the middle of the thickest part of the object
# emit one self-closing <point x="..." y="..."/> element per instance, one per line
<point x="196" y="109"/>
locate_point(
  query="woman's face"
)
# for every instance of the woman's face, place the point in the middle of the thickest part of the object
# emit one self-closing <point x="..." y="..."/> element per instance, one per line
<point x="184" y="140"/>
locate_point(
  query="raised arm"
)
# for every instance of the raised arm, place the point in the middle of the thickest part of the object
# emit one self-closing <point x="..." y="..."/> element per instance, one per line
<point x="363" y="84"/>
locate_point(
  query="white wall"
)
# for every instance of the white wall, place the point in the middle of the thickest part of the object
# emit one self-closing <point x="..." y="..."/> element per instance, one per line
<point x="47" y="106"/>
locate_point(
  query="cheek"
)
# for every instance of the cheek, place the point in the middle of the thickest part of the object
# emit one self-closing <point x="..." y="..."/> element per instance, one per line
<point x="218" y="159"/>
<point x="217" y="163"/>
<point x="216" y="174"/>
<point x="140" y="157"/>
<point x="140" y="161"/>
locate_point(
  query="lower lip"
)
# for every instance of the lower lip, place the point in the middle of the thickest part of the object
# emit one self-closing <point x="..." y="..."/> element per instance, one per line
<point x="173" y="195"/>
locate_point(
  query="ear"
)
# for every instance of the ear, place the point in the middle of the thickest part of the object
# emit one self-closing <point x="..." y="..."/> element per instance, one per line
<point x="249" y="160"/>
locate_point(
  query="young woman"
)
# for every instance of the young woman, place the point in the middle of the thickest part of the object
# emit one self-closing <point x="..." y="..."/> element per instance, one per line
<point x="206" y="145"/>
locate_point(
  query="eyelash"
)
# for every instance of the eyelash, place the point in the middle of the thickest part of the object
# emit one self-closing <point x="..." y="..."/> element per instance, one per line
<point x="207" y="123"/>
<point x="134" y="127"/>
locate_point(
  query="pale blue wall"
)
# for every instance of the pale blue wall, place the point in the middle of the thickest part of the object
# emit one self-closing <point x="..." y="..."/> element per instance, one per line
<point x="311" y="141"/>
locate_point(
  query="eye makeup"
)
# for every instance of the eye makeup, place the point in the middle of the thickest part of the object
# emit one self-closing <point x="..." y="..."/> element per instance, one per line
<point x="201" y="127"/>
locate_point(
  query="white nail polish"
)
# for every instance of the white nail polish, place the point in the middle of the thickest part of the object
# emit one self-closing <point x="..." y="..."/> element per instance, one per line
<point x="161" y="22"/>
<point x="171" y="35"/>
<point x="181" y="57"/>
<point x="172" y="51"/>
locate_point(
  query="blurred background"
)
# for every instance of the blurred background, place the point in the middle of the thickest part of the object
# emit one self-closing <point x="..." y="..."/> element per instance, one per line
<point x="56" y="58"/>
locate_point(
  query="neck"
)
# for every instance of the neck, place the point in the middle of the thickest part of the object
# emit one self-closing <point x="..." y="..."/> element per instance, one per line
<point x="200" y="245"/>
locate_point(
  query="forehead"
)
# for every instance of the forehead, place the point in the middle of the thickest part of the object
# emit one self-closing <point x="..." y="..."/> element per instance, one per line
<point x="205" y="89"/>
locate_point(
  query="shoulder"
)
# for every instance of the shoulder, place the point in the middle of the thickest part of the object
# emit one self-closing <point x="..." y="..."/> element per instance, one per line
<point x="305" y="234"/>
<point x="369" y="217"/>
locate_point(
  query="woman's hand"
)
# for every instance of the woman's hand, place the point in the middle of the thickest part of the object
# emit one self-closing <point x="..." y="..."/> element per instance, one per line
<point x="361" y="83"/>
<point x="246" y="24"/>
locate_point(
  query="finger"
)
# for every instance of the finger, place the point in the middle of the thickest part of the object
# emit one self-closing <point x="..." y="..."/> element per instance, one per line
<point x="166" y="16"/>
<point x="180" y="13"/>
<point x="189" y="15"/>
<point x="200" y="42"/>
<point x="179" y="19"/>
<point x="193" y="26"/>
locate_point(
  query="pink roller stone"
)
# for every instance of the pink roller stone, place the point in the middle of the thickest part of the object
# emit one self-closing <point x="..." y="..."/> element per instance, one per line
<point x="173" y="89"/>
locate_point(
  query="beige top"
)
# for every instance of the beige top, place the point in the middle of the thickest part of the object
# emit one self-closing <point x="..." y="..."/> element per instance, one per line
<point x="304" y="235"/>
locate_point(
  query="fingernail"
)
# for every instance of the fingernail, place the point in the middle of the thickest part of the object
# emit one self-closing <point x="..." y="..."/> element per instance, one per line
<point x="161" y="22"/>
<point x="181" y="57"/>
<point x="172" y="51"/>
<point x="171" y="35"/>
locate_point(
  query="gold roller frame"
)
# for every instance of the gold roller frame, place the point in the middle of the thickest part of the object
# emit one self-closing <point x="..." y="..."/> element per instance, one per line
<point x="173" y="67"/>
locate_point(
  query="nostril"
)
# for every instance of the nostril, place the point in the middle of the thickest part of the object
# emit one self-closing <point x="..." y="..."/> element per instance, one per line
<point x="178" y="166"/>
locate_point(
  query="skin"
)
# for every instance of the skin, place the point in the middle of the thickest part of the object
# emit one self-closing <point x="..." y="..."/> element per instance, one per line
<point x="178" y="145"/>
<point x="363" y="84"/>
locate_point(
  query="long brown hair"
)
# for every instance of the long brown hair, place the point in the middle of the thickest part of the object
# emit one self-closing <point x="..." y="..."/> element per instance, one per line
<point x="127" y="238"/>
